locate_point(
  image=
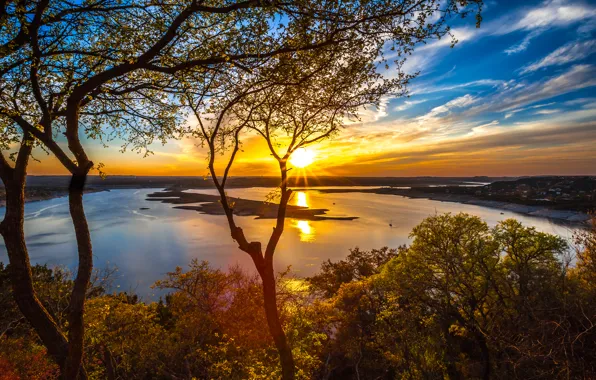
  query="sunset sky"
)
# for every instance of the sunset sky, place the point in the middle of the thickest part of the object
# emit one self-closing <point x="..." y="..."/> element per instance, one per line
<point x="515" y="97"/>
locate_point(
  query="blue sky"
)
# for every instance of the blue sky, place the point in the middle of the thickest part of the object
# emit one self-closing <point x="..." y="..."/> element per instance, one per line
<point x="515" y="97"/>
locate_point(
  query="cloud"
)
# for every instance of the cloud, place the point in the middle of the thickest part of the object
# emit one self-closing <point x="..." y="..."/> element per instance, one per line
<point x="509" y="114"/>
<point x="421" y="89"/>
<point x="467" y="115"/>
<point x="518" y="148"/>
<point x="554" y="13"/>
<point x="534" y="20"/>
<point x="580" y="102"/>
<point x="547" y="112"/>
<point x="425" y="55"/>
<point x="510" y="100"/>
<point x="484" y="128"/>
<point x="571" y="52"/>
<point x="546" y="16"/>
<point x="461" y="102"/>
<point x="460" y="34"/>
<point x="523" y="45"/>
<point x="409" y="104"/>
<point x="370" y="114"/>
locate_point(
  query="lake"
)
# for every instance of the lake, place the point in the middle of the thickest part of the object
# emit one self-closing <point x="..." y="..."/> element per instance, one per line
<point x="146" y="244"/>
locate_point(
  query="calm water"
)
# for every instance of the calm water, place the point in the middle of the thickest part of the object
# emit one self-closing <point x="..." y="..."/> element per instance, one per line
<point x="145" y="244"/>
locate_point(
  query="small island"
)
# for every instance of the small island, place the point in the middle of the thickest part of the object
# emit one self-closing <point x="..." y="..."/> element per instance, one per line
<point x="210" y="204"/>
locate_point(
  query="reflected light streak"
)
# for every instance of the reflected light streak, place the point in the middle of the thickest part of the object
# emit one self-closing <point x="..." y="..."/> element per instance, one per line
<point x="302" y="200"/>
<point x="307" y="233"/>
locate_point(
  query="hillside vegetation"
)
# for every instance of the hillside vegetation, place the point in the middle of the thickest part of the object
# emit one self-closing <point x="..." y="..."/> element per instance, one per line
<point x="464" y="300"/>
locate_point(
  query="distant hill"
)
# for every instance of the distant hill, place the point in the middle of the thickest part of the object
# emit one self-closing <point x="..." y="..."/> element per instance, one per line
<point x="556" y="192"/>
<point x="546" y="185"/>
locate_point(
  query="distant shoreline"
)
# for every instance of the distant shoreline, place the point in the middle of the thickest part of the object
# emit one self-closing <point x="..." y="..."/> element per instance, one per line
<point x="569" y="216"/>
<point x="38" y="195"/>
<point x="41" y="188"/>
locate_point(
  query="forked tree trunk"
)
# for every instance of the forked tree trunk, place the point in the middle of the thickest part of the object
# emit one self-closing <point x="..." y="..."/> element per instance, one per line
<point x="269" y="285"/>
<point x="264" y="266"/>
<point x="263" y="262"/>
<point x="76" y="329"/>
<point x="12" y="229"/>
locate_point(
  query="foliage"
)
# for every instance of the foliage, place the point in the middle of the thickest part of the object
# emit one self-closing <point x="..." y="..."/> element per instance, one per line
<point x="25" y="359"/>
<point x="355" y="267"/>
<point x="467" y="301"/>
<point x="463" y="300"/>
<point x="585" y="270"/>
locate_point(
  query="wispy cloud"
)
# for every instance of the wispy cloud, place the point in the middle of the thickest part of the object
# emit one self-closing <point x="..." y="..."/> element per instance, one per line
<point x="516" y="148"/>
<point x="580" y="102"/>
<point x="512" y="112"/>
<point x="575" y="78"/>
<point x="372" y="114"/>
<point x="535" y="20"/>
<point x="553" y="13"/>
<point x="523" y="45"/>
<point x="547" y="112"/>
<point x="546" y="16"/>
<point x="460" y="102"/>
<point x="409" y="104"/>
<point x="429" y="89"/>
<point x="571" y="52"/>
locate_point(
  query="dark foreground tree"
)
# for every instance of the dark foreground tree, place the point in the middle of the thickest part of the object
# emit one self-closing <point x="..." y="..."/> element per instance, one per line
<point x="295" y="100"/>
<point x="52" y="48"/>
<point x="73" y="69"/>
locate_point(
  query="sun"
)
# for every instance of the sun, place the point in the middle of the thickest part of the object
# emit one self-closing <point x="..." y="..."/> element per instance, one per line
<point x="302" y="158"/>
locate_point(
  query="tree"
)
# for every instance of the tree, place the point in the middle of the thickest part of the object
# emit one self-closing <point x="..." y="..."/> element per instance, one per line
<point x="36" y="31"/>
<point x="43" y="67"/>
<point x="465" y="301"/>
<point x="356" y="267"/>
<point x="585" y="242"/>
<point x="73" y="68"/>
<point x="297" y="99"/>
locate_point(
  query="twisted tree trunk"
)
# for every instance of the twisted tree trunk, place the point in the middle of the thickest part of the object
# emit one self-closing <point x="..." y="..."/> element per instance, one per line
<point x="12" y="229"/>
<point x="264" y="265"/>
<point x="13" y="232"/>
<point x="76" y="329"/>
<point x="269" y="285"/>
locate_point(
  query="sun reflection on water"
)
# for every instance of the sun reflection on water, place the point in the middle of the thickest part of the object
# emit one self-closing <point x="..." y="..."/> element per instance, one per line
<point x="302" y="199"/>
<point x="307" y="232"/>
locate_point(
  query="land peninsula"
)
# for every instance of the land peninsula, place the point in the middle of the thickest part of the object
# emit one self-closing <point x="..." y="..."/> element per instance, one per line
<point x="210" y="204"/>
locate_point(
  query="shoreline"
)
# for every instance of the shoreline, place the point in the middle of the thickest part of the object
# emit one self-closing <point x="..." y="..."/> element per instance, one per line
<point x="48" y="195"/>
<point x="567" y="216"/>
<point x="562" y="215"/>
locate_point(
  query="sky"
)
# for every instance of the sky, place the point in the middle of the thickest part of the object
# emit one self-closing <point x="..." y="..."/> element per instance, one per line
<point x="515" y="97"/>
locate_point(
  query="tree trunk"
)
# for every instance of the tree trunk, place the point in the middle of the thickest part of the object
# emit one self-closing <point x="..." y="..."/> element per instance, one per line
<point x="12" y="229"/>
<point x="264" y="264"/>
<point x="275" y="328"/>
<point x="484" y="354"/>
<point x="77" y="300"/>
<point x="269" y="286"/>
